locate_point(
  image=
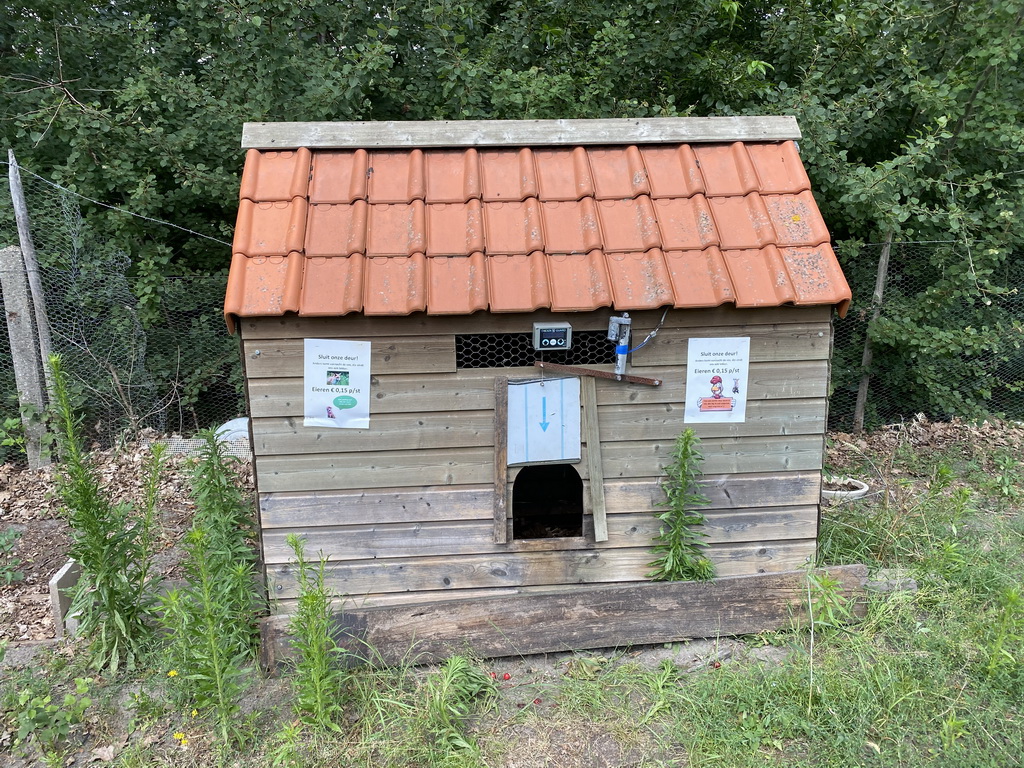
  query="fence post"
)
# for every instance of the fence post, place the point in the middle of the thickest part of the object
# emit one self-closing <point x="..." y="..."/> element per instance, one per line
<point x="27" y="365"/>
<point x="876" y="309"/>
<point x="28" y="257"/>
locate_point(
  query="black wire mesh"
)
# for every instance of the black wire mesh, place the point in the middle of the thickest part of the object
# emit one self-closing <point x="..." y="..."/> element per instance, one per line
<point x="515" y="350"/>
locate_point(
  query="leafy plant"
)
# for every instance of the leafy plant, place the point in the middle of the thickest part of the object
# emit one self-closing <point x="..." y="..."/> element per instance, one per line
<point x="678" y="545"/>
<point x="211" y="620"/>
<point x="9" y="572"/>
<point x="115" y="595"/>
<point x="317" y="679"/>
<point x="47" y="724"/>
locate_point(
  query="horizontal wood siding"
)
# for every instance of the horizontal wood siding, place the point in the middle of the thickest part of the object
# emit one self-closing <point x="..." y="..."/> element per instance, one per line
<point x="442" y="503"/>
<point x="466" y="537"/>
<point x="405" y="508"/>
<point x="471" y="390"/>
<point x="525" y="569"/>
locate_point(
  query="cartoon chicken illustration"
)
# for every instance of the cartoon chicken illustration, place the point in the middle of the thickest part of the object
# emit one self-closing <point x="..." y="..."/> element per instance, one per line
<point x="716" y="402"/>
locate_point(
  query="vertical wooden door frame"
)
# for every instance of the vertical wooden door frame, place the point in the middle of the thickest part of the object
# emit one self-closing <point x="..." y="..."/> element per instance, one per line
<point x="501" y="460"/>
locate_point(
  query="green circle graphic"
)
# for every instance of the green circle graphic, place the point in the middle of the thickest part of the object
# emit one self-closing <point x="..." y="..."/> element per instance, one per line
<point x="345" y="401"/>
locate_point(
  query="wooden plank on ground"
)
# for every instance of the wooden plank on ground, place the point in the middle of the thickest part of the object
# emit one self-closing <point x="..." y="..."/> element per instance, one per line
<point x="576" y="619"/>
<point x="423" y="354"/>
<point x="801" y="341"/>
<point x="473" y="389"/>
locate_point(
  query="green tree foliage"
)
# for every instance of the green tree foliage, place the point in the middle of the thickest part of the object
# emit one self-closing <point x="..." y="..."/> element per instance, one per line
<point x="910" y="109"/>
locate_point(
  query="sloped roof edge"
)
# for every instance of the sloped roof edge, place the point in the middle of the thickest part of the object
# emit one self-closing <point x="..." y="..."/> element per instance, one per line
<point x="522" y="133"/>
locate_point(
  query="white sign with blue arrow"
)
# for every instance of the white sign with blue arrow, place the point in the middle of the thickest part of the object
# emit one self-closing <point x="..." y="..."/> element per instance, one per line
<point x="543" y="420"/>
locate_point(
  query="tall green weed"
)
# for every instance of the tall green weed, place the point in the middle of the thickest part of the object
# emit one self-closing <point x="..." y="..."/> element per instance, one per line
<point x="318" y="679"/>
<point x="115" y="596"/>
<point x="211" y="620"/>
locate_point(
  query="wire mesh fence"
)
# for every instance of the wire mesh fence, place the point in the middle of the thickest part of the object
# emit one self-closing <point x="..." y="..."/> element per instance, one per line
<point x="169" y="365"/>
<point x="934" y="348"/>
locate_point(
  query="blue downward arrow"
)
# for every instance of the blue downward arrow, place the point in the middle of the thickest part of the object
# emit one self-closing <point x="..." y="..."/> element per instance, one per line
<point x="544" y="423"/>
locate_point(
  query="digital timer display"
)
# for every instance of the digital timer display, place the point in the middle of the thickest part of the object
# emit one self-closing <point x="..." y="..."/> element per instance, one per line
<point x="552" y="336"/>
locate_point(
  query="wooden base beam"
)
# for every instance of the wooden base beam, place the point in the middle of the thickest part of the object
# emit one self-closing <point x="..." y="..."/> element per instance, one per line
<point x="576" y="618"/>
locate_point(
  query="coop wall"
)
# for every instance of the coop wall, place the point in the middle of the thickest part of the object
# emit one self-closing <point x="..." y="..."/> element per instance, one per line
<point x="404" y="510"/>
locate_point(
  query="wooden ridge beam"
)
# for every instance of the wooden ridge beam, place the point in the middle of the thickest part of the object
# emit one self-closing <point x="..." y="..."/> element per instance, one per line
<point x="489" y="133"/>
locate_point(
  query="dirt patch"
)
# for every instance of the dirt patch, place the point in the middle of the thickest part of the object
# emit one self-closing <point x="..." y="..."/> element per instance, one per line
<point x="31" y="516"/>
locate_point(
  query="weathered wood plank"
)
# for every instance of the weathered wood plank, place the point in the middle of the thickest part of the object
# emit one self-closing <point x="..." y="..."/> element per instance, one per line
<point x="430" y="504"/>
<point x="423" y="134"/>
<point x="721" y="455"/>
<point x="473" y="389"/>
<point x="595" y="477"/>
<point x="665" y="421"/>
<point x="385" y="469"/>
<point x="474" y="571"/>
<point x="424" y="354"/>
<point x="510" y="569"/>
<point x="419" y="324"/>
<point x="394" y="431"/>
<point x="585" y="617"/>
<point x="440" y="503"/>
<point x="468" y="537"/>
<point x="473" y="466"/>
<point x="803" y="341"/>
<point x="499" y="524"/>
<point x="433" y="428"/>
<point x="727" y="491"/>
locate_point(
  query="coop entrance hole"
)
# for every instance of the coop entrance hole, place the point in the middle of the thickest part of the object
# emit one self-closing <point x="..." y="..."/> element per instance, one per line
<point x="547" y="502"/>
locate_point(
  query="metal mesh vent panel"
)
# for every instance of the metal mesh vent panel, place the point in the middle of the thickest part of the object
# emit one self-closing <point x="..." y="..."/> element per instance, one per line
<point x="515" y="350"/>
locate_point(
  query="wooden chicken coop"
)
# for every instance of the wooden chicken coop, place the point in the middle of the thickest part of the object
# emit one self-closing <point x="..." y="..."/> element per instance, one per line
<point x="469" y="349"/>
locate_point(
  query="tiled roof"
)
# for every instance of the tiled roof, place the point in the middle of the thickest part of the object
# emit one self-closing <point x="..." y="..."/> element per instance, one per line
<point x="514" y="229"/>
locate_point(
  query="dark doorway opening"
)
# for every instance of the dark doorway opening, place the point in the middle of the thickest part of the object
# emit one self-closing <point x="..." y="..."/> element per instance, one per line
<point x="547" y="502"/>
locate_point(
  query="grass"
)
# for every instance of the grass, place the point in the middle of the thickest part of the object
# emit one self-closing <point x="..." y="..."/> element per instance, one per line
<point x="931" y="677"/>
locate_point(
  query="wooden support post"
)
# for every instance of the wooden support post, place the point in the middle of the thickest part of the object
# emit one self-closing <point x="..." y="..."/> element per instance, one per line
<point x="501" y="460"/>
<point x="592" y="436"/>
<point x="24" y="352"/>
<point x="28" y="255"/>
<point x="876" y="309"/>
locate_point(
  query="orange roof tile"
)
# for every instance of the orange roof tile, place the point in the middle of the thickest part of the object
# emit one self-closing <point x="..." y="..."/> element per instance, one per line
<point x="515" y="229"/>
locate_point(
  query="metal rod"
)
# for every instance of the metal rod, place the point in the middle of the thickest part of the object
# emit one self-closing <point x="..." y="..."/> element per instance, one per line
<point x="597" y="374"/>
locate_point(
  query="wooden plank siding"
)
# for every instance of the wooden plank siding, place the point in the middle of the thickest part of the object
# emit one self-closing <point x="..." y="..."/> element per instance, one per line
<point x="455" y="429"/>
<point x="405" y="509"/>
<point x="441" y="503"/>
<point x="466" y="537"/>
<point x="473" y="389"/>
<point x="524" y="569"/>
<point x="470" y="466"/>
